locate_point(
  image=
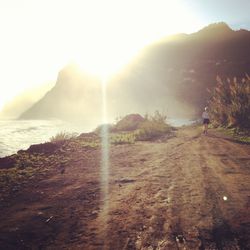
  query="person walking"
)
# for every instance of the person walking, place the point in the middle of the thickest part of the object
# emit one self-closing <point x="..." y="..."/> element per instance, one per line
<point x="206" y="121"/>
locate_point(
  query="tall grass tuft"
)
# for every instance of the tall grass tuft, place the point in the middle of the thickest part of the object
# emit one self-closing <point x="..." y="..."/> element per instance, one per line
<point x="230" y="103"/>
<point x="62" y="136"/>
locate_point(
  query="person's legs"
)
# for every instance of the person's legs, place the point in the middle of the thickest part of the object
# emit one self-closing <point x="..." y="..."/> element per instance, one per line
<point x="206" y="127"/>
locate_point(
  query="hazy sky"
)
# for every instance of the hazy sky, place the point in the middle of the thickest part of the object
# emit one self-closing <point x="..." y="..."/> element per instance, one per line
<point x="38" y="37"/>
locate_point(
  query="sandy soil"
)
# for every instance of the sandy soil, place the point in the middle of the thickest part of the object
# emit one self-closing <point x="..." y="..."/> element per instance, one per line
<point x="191" y="192"/>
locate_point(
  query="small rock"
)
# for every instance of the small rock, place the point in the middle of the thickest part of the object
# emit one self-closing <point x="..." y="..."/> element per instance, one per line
<point x="180" y="239"/>
<point x="48" y="220"/>
<point x="94" y="212"/>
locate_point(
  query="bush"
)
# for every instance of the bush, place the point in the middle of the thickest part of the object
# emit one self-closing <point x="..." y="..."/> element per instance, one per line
<point x="134" y="127"/>
<point x="62" y="136"/>
<point x="230" y="103"/>
<point x="153" y="127"/>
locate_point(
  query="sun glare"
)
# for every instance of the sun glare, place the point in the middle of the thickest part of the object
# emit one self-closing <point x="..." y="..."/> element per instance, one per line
<point x="101" y="36"/>
<point x="123" y="28"/>
<point x="105" y="61"/>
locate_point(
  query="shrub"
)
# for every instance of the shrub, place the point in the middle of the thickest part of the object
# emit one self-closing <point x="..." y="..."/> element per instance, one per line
<point x="153" y="127"/>
<point x="230" y="103"/>
<point x="62" y="136"/>
<point x="134" y="127"/>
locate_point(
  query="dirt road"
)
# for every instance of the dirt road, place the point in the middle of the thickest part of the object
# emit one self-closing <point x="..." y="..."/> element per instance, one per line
<point x="191" y="192"/>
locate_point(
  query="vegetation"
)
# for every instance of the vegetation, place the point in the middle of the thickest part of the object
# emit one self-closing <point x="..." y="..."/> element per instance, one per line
<point x="153" y="127"/>
<point x="122" y="138"/>
<point x="230" y="103"/>
<point x="14" y="176"/>
<point x="236" y="135"/>
<point x="134" y="127"/>
<point x="63" y="136"/>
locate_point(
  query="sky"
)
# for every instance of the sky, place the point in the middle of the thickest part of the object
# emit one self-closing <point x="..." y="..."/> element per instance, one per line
<point x="39" y="37"/>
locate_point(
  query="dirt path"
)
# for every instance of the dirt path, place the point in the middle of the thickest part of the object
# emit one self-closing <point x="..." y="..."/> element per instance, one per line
<point x="192" y="192"/>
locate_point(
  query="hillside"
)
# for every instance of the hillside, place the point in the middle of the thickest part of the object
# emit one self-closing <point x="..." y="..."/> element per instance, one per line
<point x="74" y="96"/>
<point x="189" y="192"/>
<point x="171" y="75"/>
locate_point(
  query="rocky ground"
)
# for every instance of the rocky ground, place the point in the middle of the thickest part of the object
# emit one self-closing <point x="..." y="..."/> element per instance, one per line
<point x="189" y="192"/>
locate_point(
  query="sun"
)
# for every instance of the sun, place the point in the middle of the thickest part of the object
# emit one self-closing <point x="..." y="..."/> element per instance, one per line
<point x="122" y="28"/>
<point x="105" y="61"/>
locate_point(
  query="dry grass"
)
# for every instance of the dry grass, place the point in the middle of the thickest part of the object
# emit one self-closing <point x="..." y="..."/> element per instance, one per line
<point x="230" y="103"/>
<point x="62" y="136"/>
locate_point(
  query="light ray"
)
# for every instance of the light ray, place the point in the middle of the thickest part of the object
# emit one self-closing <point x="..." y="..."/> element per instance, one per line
<point x="104" y="164"/>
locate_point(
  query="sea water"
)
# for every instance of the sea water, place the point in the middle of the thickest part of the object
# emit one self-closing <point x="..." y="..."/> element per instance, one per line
<point x="20" y="134"/>
<point x="178" y="122"/>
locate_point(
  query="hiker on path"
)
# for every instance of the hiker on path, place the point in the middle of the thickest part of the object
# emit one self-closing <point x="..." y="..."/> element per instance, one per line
<point x="205" y="117"/>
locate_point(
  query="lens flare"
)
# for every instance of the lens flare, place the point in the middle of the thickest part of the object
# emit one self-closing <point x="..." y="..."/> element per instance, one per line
<point x="225" y="198"/>
<point x="104" y="164"/>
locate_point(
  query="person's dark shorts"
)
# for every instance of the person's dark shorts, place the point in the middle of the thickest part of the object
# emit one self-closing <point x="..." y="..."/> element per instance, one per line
<point x="205" y="121"/>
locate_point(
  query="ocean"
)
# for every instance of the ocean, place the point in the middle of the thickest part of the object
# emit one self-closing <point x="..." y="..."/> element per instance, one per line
<point x="20" y="134"/>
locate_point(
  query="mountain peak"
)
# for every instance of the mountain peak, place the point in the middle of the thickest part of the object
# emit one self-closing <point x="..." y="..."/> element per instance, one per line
<point x="220" y="27"/>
